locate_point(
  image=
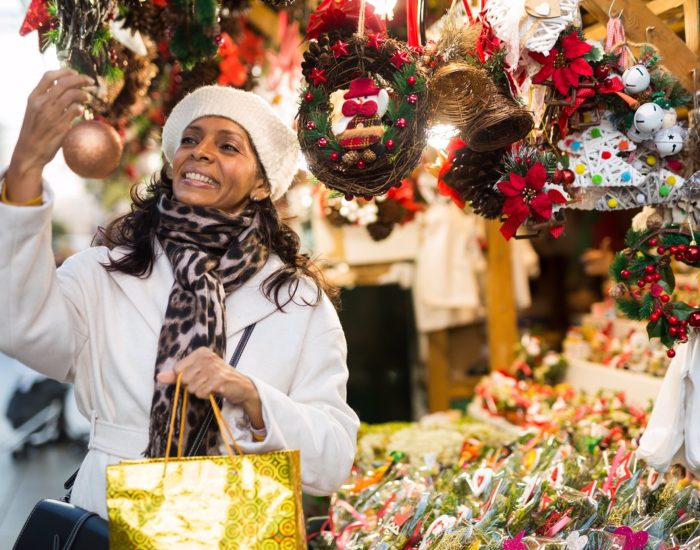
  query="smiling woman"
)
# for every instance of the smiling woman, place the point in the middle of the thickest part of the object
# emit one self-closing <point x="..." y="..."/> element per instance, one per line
<point x="201" y="259"/>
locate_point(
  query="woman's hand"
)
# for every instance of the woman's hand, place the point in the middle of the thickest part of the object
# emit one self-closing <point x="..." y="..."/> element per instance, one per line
<point x="204" y="373"/>
<point x="56" y="101"/>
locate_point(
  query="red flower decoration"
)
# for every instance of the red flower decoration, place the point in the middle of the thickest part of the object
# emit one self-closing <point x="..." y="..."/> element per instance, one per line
<point x="444" y="189"/>
<point x="232" y="71"/>
<point x="317" y="77"/>
<point x="36" y="18"/>
<point x="526" y="198"/>
<point x="566" y="65"/>
<point x="340" y="48"/>
<point x="400" y="58"/>
<point x="375" y="41"/>
<point x="341" y="15"/>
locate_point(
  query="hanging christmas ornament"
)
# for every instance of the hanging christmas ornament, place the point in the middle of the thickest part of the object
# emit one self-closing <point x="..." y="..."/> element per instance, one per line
<point x="361" y="130"/>
<point x="343" y="17"/>
<point x="638" y="137"/>
<point x="636" y="79"/>
<point x="648" y="118"/>
<point x="92" y="149"/>
<point x="669" y="141"/>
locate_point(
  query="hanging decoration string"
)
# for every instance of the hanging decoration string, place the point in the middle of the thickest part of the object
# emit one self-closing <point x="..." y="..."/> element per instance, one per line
<point x="361" y="20"/>
<point x="468" y="9"/>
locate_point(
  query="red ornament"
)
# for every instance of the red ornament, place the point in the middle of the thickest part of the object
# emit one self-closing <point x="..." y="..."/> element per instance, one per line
<point x="641" y="283"/>
<point x="694" y="319"/>
<point x="661" y="250"/>
<point x="671" y="353"/>
<point x="400" y="122"/>
<point x="601" y="72"/>
<point x="557" y="176"/>
<point x="654" y="316"/>
<point x="568" y="176"/>
<point x="36" y="18"/>
<point x="322" y="142"/>
<point x="375" y="41"/>
<point x="340" y="49"/>
<point x="673" y="320"/>
<point x="625" y="273"/>
<point x="317" y="77"/>
<point x="308" y="97"/>
<point x="653" y="241"/>
<point x="360" y="164"/>
<point x="390" y="144"/>
<point x="411" y="80"/>
<point x="692" y="254"/>
<point x="310" y="125"/>
<point x="400" y="58"/>
<point x="412" y="98"/>
<point x="219" y="40"/>
<point x="335" y="156"/>
<point x="649" y="269"/>
<point x="665" y="298"/>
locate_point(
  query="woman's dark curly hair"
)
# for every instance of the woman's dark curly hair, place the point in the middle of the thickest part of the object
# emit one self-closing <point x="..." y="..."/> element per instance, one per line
<point x="137" y="231"/>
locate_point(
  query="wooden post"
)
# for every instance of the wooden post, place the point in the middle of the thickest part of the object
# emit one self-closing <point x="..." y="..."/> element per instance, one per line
<point x="500" y="300"/>
<point x="637" y="18"/>
<point x="438" y="371"/>
<point x="691" y="16"/>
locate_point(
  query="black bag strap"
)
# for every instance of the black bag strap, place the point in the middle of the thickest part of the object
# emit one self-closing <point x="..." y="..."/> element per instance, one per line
<point x="73" y="534"/>
<point x="247" y="331"/>
<point x="197" y="443"/>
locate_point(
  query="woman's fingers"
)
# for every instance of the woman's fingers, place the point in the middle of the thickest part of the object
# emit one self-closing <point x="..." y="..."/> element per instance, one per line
<point x="49" y="80"/>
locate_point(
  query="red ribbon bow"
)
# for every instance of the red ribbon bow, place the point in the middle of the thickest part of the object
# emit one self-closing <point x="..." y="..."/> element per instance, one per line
<point x="366" y="109"/>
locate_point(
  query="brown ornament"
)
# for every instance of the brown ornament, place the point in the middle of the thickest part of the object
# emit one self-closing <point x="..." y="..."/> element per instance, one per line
<point x="92" y="149"/>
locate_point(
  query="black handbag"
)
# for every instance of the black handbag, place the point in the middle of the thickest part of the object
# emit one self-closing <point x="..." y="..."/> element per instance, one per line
<point x="59" y="525"/>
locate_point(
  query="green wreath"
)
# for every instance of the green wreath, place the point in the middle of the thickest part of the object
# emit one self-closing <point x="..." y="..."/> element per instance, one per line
<point x="646" y="282"/>
<point x="385" y="146"/>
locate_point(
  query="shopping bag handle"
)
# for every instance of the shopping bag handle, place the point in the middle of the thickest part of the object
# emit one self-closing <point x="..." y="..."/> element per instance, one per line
<point x="223" y="426"/>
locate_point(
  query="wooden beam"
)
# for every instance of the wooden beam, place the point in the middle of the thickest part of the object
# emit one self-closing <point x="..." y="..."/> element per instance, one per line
<point x="677" y="56"/>
<point x="501" y="320"/>
<point x="657" y="7"/>
<point x="691" y="16"/>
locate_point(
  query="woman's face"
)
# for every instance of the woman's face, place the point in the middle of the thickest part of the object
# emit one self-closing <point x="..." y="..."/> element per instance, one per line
<point x="215" y="166"/>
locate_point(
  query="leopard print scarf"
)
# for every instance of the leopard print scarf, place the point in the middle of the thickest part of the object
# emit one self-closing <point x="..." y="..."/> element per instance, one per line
<point x="212" y="254"/>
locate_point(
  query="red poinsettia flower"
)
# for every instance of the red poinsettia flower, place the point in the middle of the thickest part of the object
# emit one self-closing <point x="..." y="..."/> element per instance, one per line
<point x="341" y="15"/>
<point x="525" y="197"/>
<point x="564" y="65"/>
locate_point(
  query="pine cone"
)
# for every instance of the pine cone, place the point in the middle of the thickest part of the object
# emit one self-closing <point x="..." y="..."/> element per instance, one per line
<point x="474" y="176"/>
<point x="144" y="17"/>
<point x="379" y="231"/>
<point x="389" y="212"/>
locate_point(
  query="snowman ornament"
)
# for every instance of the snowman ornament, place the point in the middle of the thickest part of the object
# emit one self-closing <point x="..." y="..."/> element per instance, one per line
<point x="636" y="79"/>
<point x="649" y="118"/>
<point x="358" y="124"/>
<point x="669" y="141"/>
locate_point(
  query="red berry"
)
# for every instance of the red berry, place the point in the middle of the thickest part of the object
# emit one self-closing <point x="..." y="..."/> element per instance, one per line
<point x="661" y="249"/>
<point x="654" y="316"/>
<point x="679" y="256"/>
<point x="349" y="197"/>
<point x="308" y="97"/>
<point x="649" y="278"/>
<point x="692" y="255"/>
<point x="335" y="156"/>
<point x="653" y="241"/>
<point x="601" y="72"/>
<point x="682" y="248"/>
<point x="649" y="268"/>
<point x="625" y="273"/>
<point x="673" y="331"/>
<point x="310" y="125"/>
<point x="528" y="161"/>
<point x="390" y="144"/>
<point x="665" y="298"/>
<point x="400" y="122"/>
<point x="671" y="353"/>
<point x="641" y="283"/>
<point x="360" y="164"/>
<point x="673" y="320"/>
<point x="322" y="142"/>
<point x="411" y="80"/>
<point x="694" y="319"/>
<point x="412" y="98"/>
<point x="673" y="249"/>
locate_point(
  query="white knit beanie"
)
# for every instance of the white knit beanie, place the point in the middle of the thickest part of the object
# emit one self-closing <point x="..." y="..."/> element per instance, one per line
<point x="276" y="143"/>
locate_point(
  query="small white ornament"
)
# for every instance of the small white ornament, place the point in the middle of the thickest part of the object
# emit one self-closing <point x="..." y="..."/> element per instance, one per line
<point x="641" y="198"/>
<point x="637" y="136"/>
<point x="649" y="117"/>
<point x="636" y="79"/>
<point x="670" y="118"/>
<point x="669" y="141"/>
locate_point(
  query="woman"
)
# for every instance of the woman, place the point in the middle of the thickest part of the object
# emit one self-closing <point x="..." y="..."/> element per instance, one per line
<point x="200" y="258"/>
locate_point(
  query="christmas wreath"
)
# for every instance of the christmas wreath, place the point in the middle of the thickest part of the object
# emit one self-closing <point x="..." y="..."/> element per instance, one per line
<point x="646" y="281"/>
<point x="360" y="123"/>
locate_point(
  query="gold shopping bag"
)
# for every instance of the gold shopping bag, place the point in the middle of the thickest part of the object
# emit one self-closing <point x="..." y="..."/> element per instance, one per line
<point x="210" y="502"/>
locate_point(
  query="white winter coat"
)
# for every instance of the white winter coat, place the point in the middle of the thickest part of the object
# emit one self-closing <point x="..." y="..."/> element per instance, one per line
<point x="99" y="330"/>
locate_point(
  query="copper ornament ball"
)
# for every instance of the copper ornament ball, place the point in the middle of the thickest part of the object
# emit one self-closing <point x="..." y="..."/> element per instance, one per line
<point x="92" y="149"/>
